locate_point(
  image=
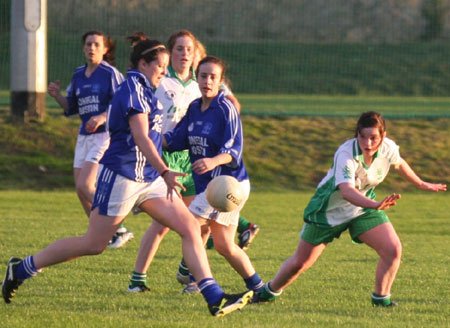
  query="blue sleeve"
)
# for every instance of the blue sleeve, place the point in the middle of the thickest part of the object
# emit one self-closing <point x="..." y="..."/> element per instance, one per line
<point x="233" y="140"/>
<point x="71" y="99"/>
<point x="116" y="80"/>
<point x="177" y="138"/>
<point x="137" y="100"/>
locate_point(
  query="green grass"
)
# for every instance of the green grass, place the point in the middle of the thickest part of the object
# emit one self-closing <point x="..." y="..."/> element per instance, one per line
<point x="292" y="148"/>
<point x="90" y="292"/>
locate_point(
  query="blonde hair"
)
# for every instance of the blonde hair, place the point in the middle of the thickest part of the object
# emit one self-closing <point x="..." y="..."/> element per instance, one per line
<point x="200" y="53"/>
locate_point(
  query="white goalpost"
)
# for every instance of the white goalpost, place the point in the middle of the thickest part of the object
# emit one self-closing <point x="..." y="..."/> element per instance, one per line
<point x="28" y="76"/>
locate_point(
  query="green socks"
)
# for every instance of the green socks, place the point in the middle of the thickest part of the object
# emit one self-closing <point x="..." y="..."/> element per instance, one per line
<point x="138" y="279"/>
<point x="268" y="294"/>
<point x="380" y="300"/>
<point x="243" y="225"/>
<point x="182" y="268"/>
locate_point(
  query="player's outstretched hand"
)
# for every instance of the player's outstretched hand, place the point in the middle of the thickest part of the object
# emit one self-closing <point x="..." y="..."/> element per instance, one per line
<point x="388" y="201"/>
<point x="54" y="88"/>
<point x="433" y="186"/>
<point x="170" y="178"/>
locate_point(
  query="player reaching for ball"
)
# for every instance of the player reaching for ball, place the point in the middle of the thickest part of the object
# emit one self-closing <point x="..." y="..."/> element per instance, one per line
<point x="212" y="132"/>
<point x="345" y="199"/>
<point x="246" y="230"/>
<point x="176" y="91"/>
<point x="134" y="174"/>
<point x="88" y="95"/>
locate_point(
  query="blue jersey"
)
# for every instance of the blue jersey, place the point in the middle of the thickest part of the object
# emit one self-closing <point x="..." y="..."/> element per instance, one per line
<point x="134" y="96"/>
<point x="90" y="96"/>
<point x="215" y="131"/>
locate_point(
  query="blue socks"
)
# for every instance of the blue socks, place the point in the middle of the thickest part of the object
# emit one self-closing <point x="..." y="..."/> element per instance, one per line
<point x="26" y="269"/>
<point x="254" y="283"/>
<point x="210" y="290"/>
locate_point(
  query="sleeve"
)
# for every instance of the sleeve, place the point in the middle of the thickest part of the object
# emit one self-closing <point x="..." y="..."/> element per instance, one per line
<point x="233" y="136"/>
<point x="392" y="151"/>
<point x="71" y="99"/>
<point x="116" y="80"/>
<point x="344" y="168"/>
<point x="177" y="138"/>
<point x="138" y="102"/>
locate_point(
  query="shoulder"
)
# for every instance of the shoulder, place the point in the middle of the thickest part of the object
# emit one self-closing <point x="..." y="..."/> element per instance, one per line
<point x="196" y="102"/>
<point x="388" y="147"/>
<point x="349" y="149"/>
<point x="226" y="105"/>
<point x="79" y="71"/>
<point x="110" y="70"/>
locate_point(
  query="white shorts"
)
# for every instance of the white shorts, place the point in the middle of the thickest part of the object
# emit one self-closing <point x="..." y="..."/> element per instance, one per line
<point x="90" y="148"/>
<point x="116" y="195"/>
<point x="200" y="207"/>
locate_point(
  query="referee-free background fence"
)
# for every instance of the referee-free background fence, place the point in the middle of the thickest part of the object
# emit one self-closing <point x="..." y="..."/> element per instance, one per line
<point x="321" y="47"/>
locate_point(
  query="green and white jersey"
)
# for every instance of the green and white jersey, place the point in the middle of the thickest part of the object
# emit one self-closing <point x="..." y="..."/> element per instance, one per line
<point x="175" y="96"/>
<point x="327" y="208"/>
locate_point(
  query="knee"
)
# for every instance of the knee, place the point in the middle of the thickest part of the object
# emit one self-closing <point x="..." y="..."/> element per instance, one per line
<point x="394" y="252"/>
<point x="94" y="247"/>
<point x="190" y="229"/>
<point x="226" y="249"/>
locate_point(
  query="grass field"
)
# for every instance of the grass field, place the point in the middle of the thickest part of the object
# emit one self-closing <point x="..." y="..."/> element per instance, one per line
<point x="90" y="292"/>
<point x="289" y="140"/>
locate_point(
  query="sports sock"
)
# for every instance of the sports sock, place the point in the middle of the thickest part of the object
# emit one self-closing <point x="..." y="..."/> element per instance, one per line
<point x="182" y="268"/>
<point x="268" y="294"/>
<point x="27" y="269"/>
<point x="381" y="300"/>
<point x="210" y="242"/>
<point x="254" y="283"/>
<point x="121" y="228"/>
<point x="138" y="279"/>
<point x="210" y="290"/>
<point x="243" y="224"/>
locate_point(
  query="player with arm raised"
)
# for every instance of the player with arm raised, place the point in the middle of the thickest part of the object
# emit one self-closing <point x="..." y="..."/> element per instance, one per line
<point x="134" y="174"/>
<point x="345" y="199"/>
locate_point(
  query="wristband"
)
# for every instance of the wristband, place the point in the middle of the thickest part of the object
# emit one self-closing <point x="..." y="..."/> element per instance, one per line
<point x="163" y="173"/>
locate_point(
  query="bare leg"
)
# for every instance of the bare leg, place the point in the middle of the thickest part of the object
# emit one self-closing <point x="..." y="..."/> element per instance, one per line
<point x="87" y="180"/>
<point x="304" y="257"/>
<point x="177" y="217"/>
<point x="224" y="243"/>
<point x="100" y="230"/>
<point x="151" y="240"/>
<point x="80" y="188"/>
<point x="149" y="246"/>
<point x="384" y="240"/>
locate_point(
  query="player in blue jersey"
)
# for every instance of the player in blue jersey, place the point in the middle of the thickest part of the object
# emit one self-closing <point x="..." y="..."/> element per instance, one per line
<point x="132" y="173"/>
<point x="88" y="95"/>
<point x="212" y="132"/>
<point x="345" y="199"/>
<point x="246" y="230"/>
<point x="175" y="92"/>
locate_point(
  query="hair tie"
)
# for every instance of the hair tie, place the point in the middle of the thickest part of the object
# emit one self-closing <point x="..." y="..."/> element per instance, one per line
<point x="151" y="49"/>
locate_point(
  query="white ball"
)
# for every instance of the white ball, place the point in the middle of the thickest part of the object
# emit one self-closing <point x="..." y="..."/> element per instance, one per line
<point x="224" y="193"/>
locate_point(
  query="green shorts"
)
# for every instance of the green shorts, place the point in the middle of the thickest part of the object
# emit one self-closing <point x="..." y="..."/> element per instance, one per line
<point x="179" y="161"/>
<point x="316" y="235"/>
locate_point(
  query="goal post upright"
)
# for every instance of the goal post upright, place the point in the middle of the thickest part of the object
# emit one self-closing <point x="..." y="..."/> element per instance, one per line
<point x="28" y="76"/>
